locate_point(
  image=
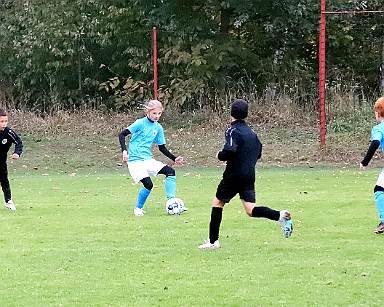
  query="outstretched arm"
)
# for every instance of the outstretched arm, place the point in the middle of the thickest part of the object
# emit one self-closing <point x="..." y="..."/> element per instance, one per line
<point x="371" y="151"/>
<point x="167" y="153"/>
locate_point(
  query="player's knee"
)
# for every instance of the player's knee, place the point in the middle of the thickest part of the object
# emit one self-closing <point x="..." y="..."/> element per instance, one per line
<point x="167" y="171"/>
<point x="149" y="186"/>
<point x="171" y="173"/>
<point x="147" y="183"/>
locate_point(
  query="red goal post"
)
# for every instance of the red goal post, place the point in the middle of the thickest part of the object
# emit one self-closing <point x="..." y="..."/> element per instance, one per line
<point x="322" y="57"/>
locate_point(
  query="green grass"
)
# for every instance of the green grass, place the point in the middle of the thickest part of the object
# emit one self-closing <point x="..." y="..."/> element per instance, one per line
<point x="74" y="242"/>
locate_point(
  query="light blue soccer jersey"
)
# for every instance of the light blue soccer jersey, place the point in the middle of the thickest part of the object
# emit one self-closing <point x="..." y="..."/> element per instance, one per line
<point x="378" y="134"/>
<point x="144" y="134"/>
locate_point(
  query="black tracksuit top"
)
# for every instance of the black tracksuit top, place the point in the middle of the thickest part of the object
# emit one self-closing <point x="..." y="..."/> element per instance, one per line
<point x="7" y="138"/>
<point x="241" y="151"/>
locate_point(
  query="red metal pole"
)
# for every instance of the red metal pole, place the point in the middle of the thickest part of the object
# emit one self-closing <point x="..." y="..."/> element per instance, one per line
<point x="322" y="72"/>
<point x="154" y="63"/>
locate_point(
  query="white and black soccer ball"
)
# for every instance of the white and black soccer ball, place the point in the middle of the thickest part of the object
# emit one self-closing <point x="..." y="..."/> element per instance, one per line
<point x="174" y="206"/>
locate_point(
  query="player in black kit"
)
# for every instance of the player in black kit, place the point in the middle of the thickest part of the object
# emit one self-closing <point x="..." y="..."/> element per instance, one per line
<point x="241" y="151"/>
<point x="7" y="138"/>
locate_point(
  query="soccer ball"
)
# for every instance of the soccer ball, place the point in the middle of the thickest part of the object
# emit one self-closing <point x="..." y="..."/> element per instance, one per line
<point x="174" y="206"/>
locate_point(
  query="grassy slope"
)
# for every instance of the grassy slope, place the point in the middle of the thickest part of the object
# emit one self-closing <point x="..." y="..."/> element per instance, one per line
<point x="69" y="142"/>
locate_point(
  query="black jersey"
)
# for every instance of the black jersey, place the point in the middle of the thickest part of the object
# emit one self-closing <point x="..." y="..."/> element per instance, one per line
<point x="241" y="151"/>
<point x="7" y="138"/>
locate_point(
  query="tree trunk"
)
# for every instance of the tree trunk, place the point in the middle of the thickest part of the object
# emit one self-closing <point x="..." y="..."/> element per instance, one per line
<point x="225" y="16"/>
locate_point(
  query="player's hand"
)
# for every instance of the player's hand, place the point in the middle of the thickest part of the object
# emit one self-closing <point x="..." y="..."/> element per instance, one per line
<point x="15" y="156"/>
<point x="179" y="160"/>
<point x="362" y="167"/>
<point x="125" y="156"/>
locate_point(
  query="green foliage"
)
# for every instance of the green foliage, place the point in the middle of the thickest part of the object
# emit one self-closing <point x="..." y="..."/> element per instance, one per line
<point x="56" y="51"/>
<point x="355" y="45"/>
<point x="79" y="54"/>
<point x="352" y="123"/>
<point x="348" y="111"/>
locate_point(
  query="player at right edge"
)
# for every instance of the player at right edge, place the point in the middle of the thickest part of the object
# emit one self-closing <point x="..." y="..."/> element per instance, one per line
<point x="377" y="140"/>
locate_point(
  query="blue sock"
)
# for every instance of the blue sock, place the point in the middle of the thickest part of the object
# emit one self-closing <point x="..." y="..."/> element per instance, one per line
<point x="142" y="197"/>
<point x="379" y="199"/>
<point x="170" y="186"/>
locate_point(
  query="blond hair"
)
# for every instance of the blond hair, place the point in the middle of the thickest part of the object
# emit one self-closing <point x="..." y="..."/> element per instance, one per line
<point x="379" y="106"/>
<point x="152" y="104"/>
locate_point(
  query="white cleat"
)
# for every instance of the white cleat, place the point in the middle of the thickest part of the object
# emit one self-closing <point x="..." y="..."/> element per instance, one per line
<point x="10" y="205"/>
<point x="208" y="245"/>
<point x="138" y="212"/>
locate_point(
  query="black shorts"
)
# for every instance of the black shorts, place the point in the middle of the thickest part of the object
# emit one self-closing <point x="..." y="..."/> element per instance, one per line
<point x="227" y="190"/>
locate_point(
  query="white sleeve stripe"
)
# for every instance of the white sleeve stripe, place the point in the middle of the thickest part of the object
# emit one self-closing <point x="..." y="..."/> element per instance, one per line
<point x="12" y="136"/>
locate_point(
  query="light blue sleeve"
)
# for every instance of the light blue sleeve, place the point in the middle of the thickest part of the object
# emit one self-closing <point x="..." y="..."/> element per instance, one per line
<point x="136" y="126"/>
<point x="160" y="137"/>
<point x="377" y="133"/>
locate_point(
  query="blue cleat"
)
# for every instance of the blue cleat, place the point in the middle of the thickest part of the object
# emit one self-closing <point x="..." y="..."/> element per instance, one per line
<point x="286" y="223"/>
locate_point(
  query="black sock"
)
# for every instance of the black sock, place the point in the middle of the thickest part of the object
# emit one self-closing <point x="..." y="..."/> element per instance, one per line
<point x="7" y="194"/>
<point x="266" y="212"/>
<point x="214" y="225"/>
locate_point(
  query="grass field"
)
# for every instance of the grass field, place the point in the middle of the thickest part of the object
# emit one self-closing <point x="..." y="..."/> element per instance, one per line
<point x="74" y="242"/>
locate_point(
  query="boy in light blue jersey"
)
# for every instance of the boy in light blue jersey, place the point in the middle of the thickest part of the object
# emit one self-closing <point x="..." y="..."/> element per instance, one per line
<point x="141" y="164"/>
<point x="377" y="140"/>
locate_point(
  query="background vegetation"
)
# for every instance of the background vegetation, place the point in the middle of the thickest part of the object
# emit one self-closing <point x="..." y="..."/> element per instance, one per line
<point x="97" y="55"/>
<point x="88" y="139"/>
<point x="68" y="68"/>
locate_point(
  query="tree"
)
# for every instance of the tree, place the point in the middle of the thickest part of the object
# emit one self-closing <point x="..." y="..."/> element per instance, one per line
<point x="72" y="54"/>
